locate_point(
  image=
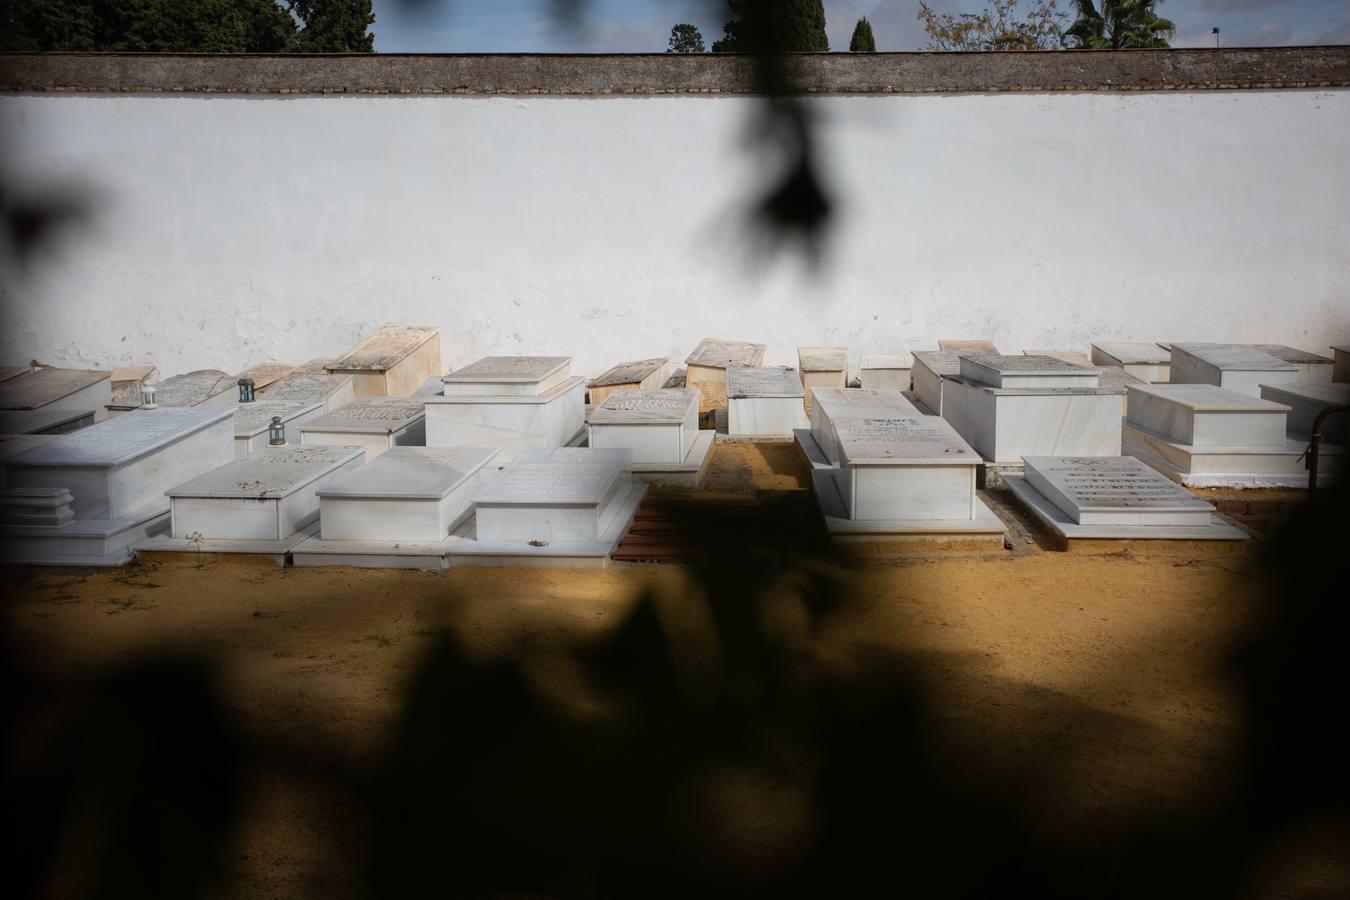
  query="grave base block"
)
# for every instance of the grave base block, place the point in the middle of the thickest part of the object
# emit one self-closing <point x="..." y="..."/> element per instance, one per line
<point x="83" y="542"/>
<point x="278" y="552"/>
<point x="985" y="527"/>
<point x="1280" y="466"/>
<point x="686" y="474"/>
<point x="1053" y="518"/>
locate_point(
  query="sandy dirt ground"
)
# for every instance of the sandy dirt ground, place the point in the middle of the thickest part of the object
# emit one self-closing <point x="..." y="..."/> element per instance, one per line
<point x="1112" y="661"/>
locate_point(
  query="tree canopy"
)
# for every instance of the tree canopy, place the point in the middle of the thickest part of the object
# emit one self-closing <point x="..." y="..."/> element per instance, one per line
<point x="1118" y="25"/>
<point x="862" y="41"/>
<point x="1003" y="26"/>
<point x="685" y="38"/>
<point x="774" y="25"/>
<point x="188" y="26"/>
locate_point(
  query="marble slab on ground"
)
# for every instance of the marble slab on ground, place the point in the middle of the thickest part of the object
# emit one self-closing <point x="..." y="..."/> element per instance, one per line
<point x="981" y="526"/>
<point x="1113" y="490"/>
<point x="901" y="440"/>
<point x="333" y="391"/>
<point x="494" y="376"/>
<point x="82" y="388"/>
<point x="1026" y="372"/>
<point x="756" y="383"/>
<point x="633" y="372"/>
<point x="964" y="347"/>
<point x="1129" y="353"/>
<point x="822" y="359"/>
<point x="660" y="406"/>
<point x="370" y="415"/>
<point x="1307" y="401"/>
<point x="44" y="421"/>
<point x="717" y="353"/>
<point x="384" y="349"/>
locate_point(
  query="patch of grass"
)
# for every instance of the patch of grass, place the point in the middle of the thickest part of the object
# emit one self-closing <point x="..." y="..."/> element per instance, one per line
<point x="381" y="640"/>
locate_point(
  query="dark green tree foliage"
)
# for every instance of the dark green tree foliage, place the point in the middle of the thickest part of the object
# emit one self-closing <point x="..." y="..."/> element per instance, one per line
<point x="334" y="26"/>
<point x="862" y="41"/>
<point x="774" y="26"/>
<point x="1118" y="25"/>
<point x="685" y="38"/>
<point x="187" y="26"/>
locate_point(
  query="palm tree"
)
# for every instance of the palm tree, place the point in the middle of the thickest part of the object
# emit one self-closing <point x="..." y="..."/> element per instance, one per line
<point x="1118" y="25"/>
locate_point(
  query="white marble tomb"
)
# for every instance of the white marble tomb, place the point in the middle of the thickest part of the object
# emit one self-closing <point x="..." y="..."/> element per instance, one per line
<point x="930" y="368"/>
<point x="819" y="444"/>
<point x="706" y="368"/>
<point x="211" y="391"/>
<point x="264" y="504"/>
<point x="253" y="421"/>
<point x="556" y="506"/>
<point x="47" y="420"/>
<point x="112" y="476"/>
<point x="127" y="381"/>
<point x="375" y="423"/>
<point x="1306" y="401"/>
<point x="50" y="388"/>
<point x="1203" y="435"/>
<point x="1009" y="407"/>
<point x="1145" y="361"/>
<point x="1340" y="372"/>
<point x="1114" y="498"/>
<point x="637" y="375"/>
<point x="886" y="371"/>
<point x="1237" y="367"/>
<point x="660" y="427"/>
<point x="823" y="367"/>
<point x="399" y="511"/>
<point x="511" y="403"/>
<point x="1312" y="368"/>
<point x="393" y="361"/>
<point x="764" y="402"/>
<point x="1076" y="357"/>
<point x="333" y="391"/>
<point x="903" y="478"/>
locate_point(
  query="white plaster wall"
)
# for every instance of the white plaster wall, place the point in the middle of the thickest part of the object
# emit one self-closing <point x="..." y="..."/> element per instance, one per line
<point x="230" y="230"/>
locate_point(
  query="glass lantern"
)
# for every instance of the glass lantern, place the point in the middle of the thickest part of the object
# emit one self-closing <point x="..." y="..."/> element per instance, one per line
<point x="245" y="390"/>
<point x="276" y="433"/>
<point x="148" y="392"/>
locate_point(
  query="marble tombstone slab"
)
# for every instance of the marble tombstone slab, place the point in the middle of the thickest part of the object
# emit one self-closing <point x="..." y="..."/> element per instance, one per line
<point x="764" y="402"/>
<point x="1237" y="367"/>
<point x="930" y="368"/>
<point x="1009" y="407"/>
<point x="1116" y="378"/>
<point x="47" y="420"/>
<point x="511" y="403"/>
<point x="1115" y="498"/>
<point x="10" y="444"/>
<point x="660" y="427"/>
<point x="111" y="478"/>
<point x="903" y="478"/>
<point x="265" y="374"/>
<point x="820" y="445"/>
<point x="399" y="511"/>
<point x="638" y="375"/>
<point x="50" y="388"/>
<point x="253" y="421"/>
<point x="964" y="347"/>
<point x="376" y="424"/>
<point x="1340" y="372"/>
<point x="824" y="367"/>
<point x="393" y="361"/>
<point x="333" y="391"/>
<point x="554" y="506"/>
<point x="1205" y="435"/>
<point x="886" y="371"/>
<point x="181" y="391"/>
<point x="1312" y="368"/>
<point x="706" y="368"/>
<point x="9" y="373"/>
<point x="1073" y="357"/>
<point x="1145" y="361"/>
<point x="266" y="500"/>
<point x="1306" y="402"/>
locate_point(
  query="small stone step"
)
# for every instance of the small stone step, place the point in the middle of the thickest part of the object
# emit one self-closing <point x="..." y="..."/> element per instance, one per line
<point x="49" y="506"/>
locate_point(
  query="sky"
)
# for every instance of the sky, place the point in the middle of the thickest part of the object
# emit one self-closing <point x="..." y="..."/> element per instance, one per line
<point x="643" y="26"/>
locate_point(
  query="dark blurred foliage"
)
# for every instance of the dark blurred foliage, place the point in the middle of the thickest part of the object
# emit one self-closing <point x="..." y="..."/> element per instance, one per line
<point x="745" y="768"/>
<point x="774" y="26"/>
<point x="188" y="26"/>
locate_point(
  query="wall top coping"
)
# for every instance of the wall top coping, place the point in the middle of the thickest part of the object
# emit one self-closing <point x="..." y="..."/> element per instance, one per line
<point x="1265" y="68"/>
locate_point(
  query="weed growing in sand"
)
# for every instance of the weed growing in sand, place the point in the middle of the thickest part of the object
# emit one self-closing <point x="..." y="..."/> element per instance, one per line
<point x="195" y="541"/>
<point x="381" y="640"/>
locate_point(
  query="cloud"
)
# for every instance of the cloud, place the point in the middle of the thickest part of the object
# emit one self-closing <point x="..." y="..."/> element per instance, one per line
<point x="1266" y="34"/>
